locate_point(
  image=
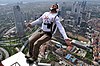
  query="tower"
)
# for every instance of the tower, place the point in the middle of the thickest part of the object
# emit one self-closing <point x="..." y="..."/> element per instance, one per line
<point x="84" y="5"/>
<point x="63" y="10"/>
<point x="19" y="21"/>
<point x="76" y="10"/>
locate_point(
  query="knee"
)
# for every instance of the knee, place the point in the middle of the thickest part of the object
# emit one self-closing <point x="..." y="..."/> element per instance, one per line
<point x="31" y="41"/>
<point x="38" y="43"/>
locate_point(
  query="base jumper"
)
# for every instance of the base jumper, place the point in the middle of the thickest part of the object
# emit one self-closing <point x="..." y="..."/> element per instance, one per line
<point x="49" y="21"/>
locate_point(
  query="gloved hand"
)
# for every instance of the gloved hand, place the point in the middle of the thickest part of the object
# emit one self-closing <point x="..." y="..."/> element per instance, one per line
<point x="29" y="25"/>
<point x="68" y="42"/>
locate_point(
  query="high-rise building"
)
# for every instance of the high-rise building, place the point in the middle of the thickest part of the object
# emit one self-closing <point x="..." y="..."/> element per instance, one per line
<point x="19" y="21"/>
<point x="88" y="15"/>
<point x="76" y="10"/>
<point x="83" y="5"/>
<point x="63" y="10"/>
<point x="83" y="10"/>
<point x="73" y="7"/>
<point x="79" y="7"/>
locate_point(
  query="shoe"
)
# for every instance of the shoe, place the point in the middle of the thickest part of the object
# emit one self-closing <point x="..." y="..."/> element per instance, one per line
<point x="27" y="55"/>
<point x="41" y="56"/>
<point x="31" y="60"/>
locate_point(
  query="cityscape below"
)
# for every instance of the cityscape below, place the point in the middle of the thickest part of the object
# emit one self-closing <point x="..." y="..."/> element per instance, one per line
<point x="80" y="19"/>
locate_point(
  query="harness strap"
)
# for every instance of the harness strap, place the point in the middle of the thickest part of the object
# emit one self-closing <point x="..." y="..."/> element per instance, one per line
<point x="53" y="25"/>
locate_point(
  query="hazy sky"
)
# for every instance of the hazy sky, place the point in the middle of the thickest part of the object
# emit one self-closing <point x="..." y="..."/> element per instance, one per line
<point x="14" y="1"/>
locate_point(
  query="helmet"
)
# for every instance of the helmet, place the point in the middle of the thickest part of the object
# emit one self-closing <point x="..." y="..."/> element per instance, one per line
<point x="54" y="7"/>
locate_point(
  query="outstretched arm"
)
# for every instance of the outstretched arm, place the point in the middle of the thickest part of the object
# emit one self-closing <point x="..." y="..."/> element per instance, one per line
<point x="38" y="21"/>
<point x="60" y="27"/>
<point x="62" y="31"/>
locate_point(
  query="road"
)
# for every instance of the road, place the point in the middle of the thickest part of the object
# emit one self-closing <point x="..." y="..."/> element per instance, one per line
<point x="4" y="52"/>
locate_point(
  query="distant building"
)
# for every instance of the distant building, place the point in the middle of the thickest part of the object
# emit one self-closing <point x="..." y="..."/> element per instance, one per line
<point x="73" y="7"/>
<point x="63" y="10"/>
<point x="89" y="15"/>
<point x="84" y="5"/>
<point x="76" y="10"/>
<point x="79" y="7"/>
<point x="19" y="21"/>
<point x="85" y="15"/>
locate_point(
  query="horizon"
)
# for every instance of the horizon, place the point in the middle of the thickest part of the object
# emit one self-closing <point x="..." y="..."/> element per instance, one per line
<point x="15" y="1"/>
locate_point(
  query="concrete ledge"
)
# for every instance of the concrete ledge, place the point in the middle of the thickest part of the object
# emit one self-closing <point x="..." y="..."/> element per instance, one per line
<point x="19" y="60"/>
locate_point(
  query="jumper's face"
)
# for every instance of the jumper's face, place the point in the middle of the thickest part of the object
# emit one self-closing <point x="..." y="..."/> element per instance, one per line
<point x="54" y="7"/>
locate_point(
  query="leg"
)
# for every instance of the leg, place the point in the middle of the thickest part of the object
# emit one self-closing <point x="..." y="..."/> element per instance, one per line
<point x="36" y="35"/>
<point x="42" y="49"/>
<point x="38" y="43"/>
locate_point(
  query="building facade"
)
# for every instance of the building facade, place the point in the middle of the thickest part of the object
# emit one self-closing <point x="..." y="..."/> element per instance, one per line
<point x="19" y="21"/>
